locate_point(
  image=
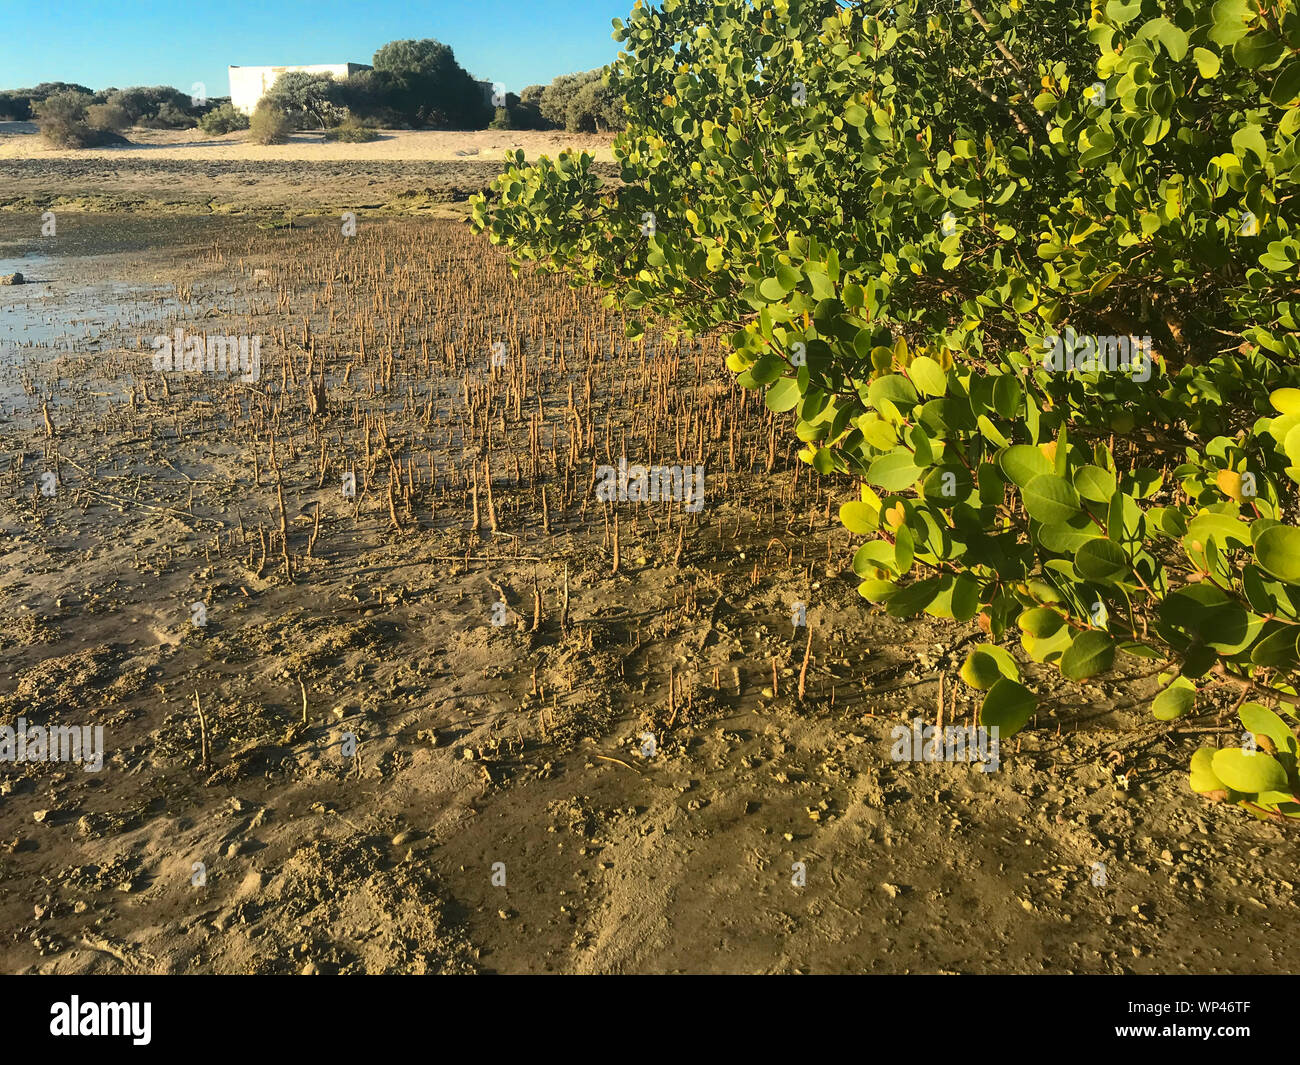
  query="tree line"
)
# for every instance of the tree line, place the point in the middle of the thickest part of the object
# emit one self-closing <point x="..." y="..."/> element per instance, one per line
<point x="411" y="84"/>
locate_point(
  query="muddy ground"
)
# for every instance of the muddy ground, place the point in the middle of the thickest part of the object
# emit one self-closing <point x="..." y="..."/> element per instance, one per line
<point x="507" y="743"/>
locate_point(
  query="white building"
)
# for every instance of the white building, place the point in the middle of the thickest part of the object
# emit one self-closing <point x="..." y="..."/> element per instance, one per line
<point x="250" y="84"/>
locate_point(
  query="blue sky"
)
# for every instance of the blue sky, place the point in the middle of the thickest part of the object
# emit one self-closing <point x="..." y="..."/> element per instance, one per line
<point x="99" y="43"/>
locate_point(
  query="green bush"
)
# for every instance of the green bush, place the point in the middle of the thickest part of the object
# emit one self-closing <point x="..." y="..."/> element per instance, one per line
<point x="64" y="119"/>
<point x="595" y="108"/>
<point x="169" y="116"/>
<point x="225" y="118"/>
<point x="156" y="107"/>
<point x="351" y="130"/>
<point x="269" y="125"/>
<point x="896" y="210"/>
<point x="107" y="117"/>
<point x="21" y="104"/>
<point x="421" y="81"/>
<point x="15" y="106"/>
<point x="309" y="100"/>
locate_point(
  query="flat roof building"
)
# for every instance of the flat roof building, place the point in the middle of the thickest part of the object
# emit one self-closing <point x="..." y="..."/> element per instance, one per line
<point x="249" y="84"/>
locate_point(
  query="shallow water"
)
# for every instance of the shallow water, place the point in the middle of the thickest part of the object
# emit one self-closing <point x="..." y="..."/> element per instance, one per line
<point x="48" y="312"/>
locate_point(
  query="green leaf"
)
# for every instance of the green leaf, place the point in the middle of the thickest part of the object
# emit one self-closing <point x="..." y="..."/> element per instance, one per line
<point x="1103" y="561"/>
<point x="893" y="387"/>
<point x="1229" y="21"/>
<point x="1050" y="499"/>
<point x="909" y="601"/>
<point x="1008" y="708"/>
<point x="783" y="395"/>
<point x="1250" y="139"/>
<point x="1175" y="701"/>
<point x="1285" y="400"/>
<point x="1286" y="87"/>
<point x="1249" y="772"/>
<point x="894" y="472"/>
<point x="1040" y="622"/>
<point x="767" y="369"/>
<point x="871" y="556"/>
<point x="1207" y="62"/>
<point x="1045" y="648"/>
<point x="1263" y="722"/>
<point x="859" y="517"/>
<point x="1225" y="529"/>
<point x="1170" y="36"/>
<point x="788" y="277"/>
<point x="986" y="664"/>
<point x="1120" y="12"/>
<point x="1278" y="551"/>
<point x="1066" y="537"/>
<point x="876" y="591"/>
<point x="1258" y="50"/>
<point x="1203" y="779"/>
<point x="1092" y="652"/>
<point x="1022" y="463"/>
<point x="927" y="376"/>
<point x="1094" y="483"/>
<point x="965" y="597"/>
<point x="1279" y="649"/>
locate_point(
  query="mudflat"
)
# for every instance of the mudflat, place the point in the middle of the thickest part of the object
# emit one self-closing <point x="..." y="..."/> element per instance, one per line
<point x="385" y="685"/>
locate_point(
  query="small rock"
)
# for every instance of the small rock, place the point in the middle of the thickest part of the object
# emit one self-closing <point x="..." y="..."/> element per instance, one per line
<point x="250" y="885"/>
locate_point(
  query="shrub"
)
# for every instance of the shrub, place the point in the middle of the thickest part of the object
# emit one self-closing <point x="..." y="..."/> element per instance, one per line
<point x="225" y="118"/>
<point x="155" y="107"/>
<point x="556" y="97"/>
<point x="896" y="210"/>
<point x="351" y="130"/>
<point x="169" y="116"/>
<point x="578" y="103"/>
<point x="107" y="117"/>
<point x="594" y="108"/>
<point x="310" y="100"/>
<point x="422" y="81"/>
<point x="269" y="125"/>
<point x="15" y="106"/>
<point x="63" y="118"/>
